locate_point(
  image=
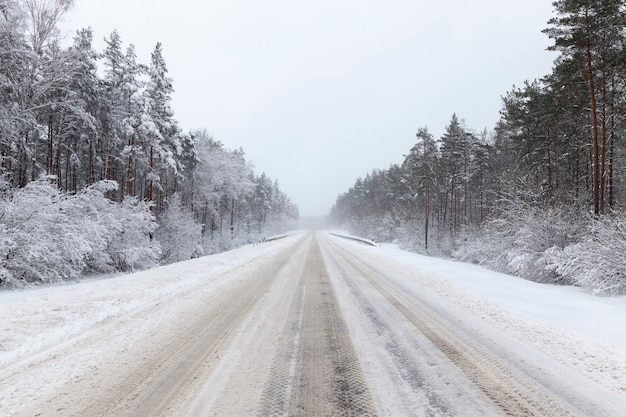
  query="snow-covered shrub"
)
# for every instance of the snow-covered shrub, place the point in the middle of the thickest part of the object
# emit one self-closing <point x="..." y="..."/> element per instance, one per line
<point x="6" y="244"/>
<point x="43" y="239"/>
<point x="120" y="232"/>
<point x="131" y="245"/>
<point x="178" y="234"/>
<point x="47" y="236"/>
<point x="409" y="236"/>
<point x="475" y="245"/>
<point x="541" y="230"/>
<point x="597" y="261"/>
<point x="98" y="214"/>
<point x="518" y="241"/>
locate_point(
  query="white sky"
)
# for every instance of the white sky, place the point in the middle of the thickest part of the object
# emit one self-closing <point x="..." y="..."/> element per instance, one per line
<point x="320" y="92"/>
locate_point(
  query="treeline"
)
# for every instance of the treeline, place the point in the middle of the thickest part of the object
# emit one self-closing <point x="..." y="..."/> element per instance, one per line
<point x="440" y="190"/>
<point x="543" y="194"/>
<point x="77" y="126"/>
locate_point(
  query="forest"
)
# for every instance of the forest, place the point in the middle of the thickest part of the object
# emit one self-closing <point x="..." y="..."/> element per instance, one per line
<point x="542" y="196"/>
<point x="96" y="176"/>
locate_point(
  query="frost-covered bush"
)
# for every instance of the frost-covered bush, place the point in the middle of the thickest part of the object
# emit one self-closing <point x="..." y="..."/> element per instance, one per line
<point x="47" y="236"/>
<point x="99" y="213"/>
<point x="535" y="232"/>
<point x="476" y="245"/>
<point x="518" y="241"/>
<point x="178" y="234"/>
<point x="42" y="239"/>
<point x="131" y="245"/>
<point x="409" y="236"/>
<point x="597" y="262"/>
<point x="124" y="231"/>
<point x="554" y="245"/>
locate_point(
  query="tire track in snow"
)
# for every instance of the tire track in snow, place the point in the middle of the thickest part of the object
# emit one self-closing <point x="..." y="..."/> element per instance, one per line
<point x="174" y="357"/>
<point x="317" y="372"/>
<point x="513" y="393"/>
<point x="153" y="386"/>
<point x="277" y="391"/>
<point x="409" y="375"/>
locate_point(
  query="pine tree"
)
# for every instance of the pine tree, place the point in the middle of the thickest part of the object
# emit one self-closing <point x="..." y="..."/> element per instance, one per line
<point x="591" y="34"/>
<point x="113" y="109"/>
<point x="164" y="147"/>
<point x="84" y="122"/>
<point x="15" y="116"/>
<point x="453" y="168"/>
<point x="422" y="165"/>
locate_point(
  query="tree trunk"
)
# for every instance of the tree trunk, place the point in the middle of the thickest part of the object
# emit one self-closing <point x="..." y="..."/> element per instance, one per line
<point x="595" y="146"/>
<point x="129" y="167"/>
<point x="50" y="145"/>
<point x="57" y="152"/>
<point x="91" y="179"/>
<point x="150" y="186"/>
<point x="611" y="158"/>
<point x="232" y="218"/>
<point x="603" y="144"/>
<point x="426" y="212"/>
<point x="550" y="191"/>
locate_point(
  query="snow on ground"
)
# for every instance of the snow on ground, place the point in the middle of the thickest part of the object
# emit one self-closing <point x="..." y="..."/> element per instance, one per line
<point x="603" y="318"/>
<point x="584" y="332"/>
<point x="35" y="319"/>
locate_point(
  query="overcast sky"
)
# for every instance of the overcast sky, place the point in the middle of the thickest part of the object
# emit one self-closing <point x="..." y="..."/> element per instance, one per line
<point x="320" y="92"/>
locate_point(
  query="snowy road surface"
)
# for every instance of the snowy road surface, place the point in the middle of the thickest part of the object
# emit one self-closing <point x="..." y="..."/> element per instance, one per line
<point x="309" y="325"/>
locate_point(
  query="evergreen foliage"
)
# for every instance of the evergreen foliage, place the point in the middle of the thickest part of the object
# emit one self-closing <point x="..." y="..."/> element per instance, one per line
<point x="96" y="175"/>
<point x="542" y="197"/>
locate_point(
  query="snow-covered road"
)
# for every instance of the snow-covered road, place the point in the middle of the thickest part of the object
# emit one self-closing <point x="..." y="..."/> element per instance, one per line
<point x="311" y="324"/>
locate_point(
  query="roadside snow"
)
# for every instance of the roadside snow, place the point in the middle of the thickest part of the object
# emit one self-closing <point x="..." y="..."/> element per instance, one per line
<point x="36" y="319"/>
<point x="585" y="333"/>
<point x="603" y="318"/>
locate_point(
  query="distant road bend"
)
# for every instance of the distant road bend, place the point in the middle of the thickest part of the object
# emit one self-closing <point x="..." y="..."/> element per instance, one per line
<point x="316" y="329"/>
